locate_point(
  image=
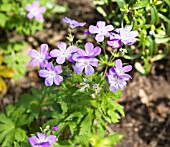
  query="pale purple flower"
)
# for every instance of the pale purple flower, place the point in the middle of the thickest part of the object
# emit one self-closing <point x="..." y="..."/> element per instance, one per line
<point x="51" y="74"/>
<point x="55" y="128"/>
<point x="41" y="57"/>
<point x="125" y="35"/>
<point x="63" y="53"/>
<point x="42" y="140"/>
<point x="116" y="82"/>
<point x="117" y="76"/>
<point x="35" y="10"/>
<point x="73" y="23"/>
<point x="85" y="59"/>
<point x="101" y="29"/>
<point x="119" y="70"/>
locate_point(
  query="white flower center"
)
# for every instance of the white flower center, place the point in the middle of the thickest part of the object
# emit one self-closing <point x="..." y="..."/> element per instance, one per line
<point x="51" y="74"/>
<point x="116" y="44"/>
<point x="86" y="61"/>
<point x="34" y="11"/>
<point x="41" y="57"/>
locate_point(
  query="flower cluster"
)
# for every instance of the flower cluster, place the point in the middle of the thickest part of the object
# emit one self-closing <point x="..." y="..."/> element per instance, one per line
<point x="117" y="36"/>
<point x="80" y="58"/>
<point x="85" y="59"/>
<point x="35" y="10"/>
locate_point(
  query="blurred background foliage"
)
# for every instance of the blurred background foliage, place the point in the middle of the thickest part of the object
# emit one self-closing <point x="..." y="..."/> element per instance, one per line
<point x="152" y="20"/>
<point x="14" y="28"/>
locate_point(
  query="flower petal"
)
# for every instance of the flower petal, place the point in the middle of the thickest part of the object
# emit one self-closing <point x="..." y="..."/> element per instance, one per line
<point x="134" y="33"/>
<point x="50" y="66"/>
<point x="71" y="49"/>
<point x="55" y="53"/>
<point x="128" y="28"/>
<point x="43" y="64"/>
<point x="127" y="68"/>
<point x="122" y="84"/>
<point x="113" y="88"/>
<point x="89" y="48"/>
<point x="78" y="68"/>
<point x="109" y="28"/>
<point x="93" y="62"/>
<point x="30" y="15"/>
<point x="93" y="29"/>
<point x="99" y="37"/>
<point x="28" y="7"/>
<point x="112" y="71"/>
<point x="61" y="59"/>
<point x="89" y="70"/>
<point x="101" y="24"/>
<point x="49" y="81"/>
<point x="58" y="69"/>
<point x="58" y="79"/>
<point x="43" y="73"/>
<point x="44" y="49"/>
<point x="42" y="9"/>
<point x="118" y="63"/>
<point x="34" y="54"/>
<point x="33" y="62"/>
<point x="39" y="17"/>
<point x="33" y="140"/>
<point x="35" y="4"/>
<point x="41" y="136"/>
<point x="115" y="43"/>
<point x="62" y="46"/>
<point x="51" y="139"/>
<point x="96" y="51"/>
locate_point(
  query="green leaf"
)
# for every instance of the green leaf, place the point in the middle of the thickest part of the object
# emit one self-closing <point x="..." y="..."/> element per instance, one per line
<point x="139" y="68"/>
<point x="132" y="57"/>
<point x="154" y="15"/>
<point x="101" y="11"/>
<point x="140" y="4"/>
<point x="152" y="47"/>
<point x="4" y="19"/>
<point x="121" y="3"/>
<point x="167" y="1"/>
<point x="157" y="57"/>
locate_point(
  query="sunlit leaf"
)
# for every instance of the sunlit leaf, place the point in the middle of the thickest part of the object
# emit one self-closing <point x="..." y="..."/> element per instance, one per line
<point x="2" y="86"/>
<point x="6" y="72"/>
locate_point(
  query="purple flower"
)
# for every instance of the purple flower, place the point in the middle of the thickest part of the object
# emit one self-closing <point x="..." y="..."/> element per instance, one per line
<point x="42" y="140"/>
<point x="35" y="10"/>
<point x="63" y="53"/>
<point x="101" y="30"/>
<point x="85" y="59"/>
<point x="55" y="128"/>
<point x="73" y="23"/>
<point x="119" y="70"/>
<point x="124" y="34"/>
<point x="51" y="74"/>
<point x="116" y="82"/>
<point x="41" y="57"/>
<point x="117" y="76"/>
